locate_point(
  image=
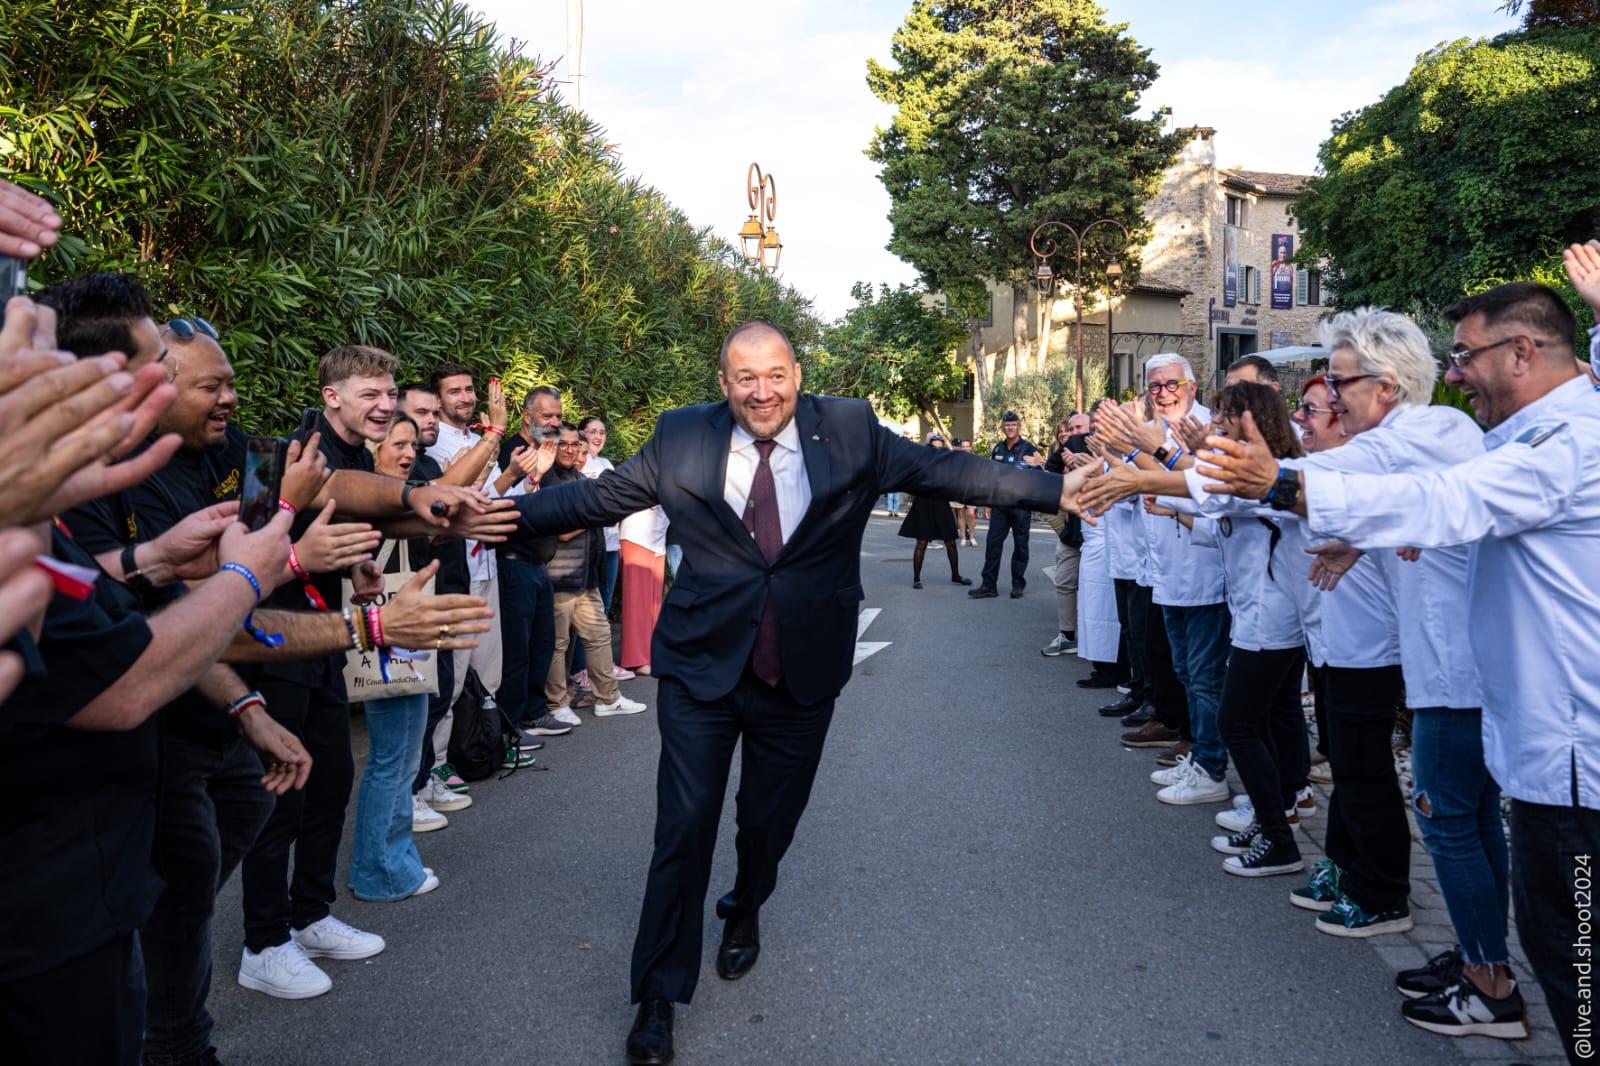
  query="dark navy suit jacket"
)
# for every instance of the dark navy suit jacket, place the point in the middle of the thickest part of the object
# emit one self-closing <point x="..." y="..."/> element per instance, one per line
<point x="708" y="623"/>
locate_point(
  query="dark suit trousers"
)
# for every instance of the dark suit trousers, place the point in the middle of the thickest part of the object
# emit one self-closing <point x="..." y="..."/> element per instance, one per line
<point x="782" y="742"/>
<point x="1003" y="521"/>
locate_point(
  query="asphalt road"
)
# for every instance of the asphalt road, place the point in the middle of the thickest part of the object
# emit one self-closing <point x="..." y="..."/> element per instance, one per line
<point x="983" y="876"/>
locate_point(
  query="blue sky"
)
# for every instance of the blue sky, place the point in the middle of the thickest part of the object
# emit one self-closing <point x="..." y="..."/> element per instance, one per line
<point x="692" y="92"/>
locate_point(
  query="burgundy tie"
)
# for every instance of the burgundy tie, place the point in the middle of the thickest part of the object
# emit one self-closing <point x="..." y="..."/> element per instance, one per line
<point x="761" y="519"/>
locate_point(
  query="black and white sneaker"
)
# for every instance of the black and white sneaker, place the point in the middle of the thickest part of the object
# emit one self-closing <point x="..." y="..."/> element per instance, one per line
<point x="1237" y="843"/>
<point x="1462" y="1010"/>
<point x="1432" y="977"/>
<point x="1264" y="859"/>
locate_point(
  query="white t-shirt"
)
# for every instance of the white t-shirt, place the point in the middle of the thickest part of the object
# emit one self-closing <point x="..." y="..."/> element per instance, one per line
<point x="596" y="466"/>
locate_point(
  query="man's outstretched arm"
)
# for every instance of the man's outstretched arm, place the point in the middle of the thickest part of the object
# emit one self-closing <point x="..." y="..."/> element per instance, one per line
<point x="587" y="503"/>
<point x="949" y="475"/>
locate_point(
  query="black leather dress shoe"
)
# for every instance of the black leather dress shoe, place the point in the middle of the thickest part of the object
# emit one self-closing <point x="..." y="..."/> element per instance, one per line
<point x="741" y="946"/>
<point x="1016" y="594"/>
<point x="1095" y="681"/>
<point x="650" y="1039"/>
<point x="1139" y="715"/>
<point x="983" y="592"/>
<point x="1120" y="708"/>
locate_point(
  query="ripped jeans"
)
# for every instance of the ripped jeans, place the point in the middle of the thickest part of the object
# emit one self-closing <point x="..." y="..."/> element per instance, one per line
<point x="1457" y="805"/>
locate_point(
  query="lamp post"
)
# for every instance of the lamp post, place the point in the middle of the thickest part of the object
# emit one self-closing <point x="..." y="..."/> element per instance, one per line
<point x="1045" y="247"/>
<point x="758" y="237"/>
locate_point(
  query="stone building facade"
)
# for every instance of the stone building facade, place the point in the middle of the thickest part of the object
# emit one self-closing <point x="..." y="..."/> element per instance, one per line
<point x="1215" y="233"/>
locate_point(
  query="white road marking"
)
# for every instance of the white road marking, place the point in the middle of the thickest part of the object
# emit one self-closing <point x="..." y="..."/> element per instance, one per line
<point x="866" y="649"/>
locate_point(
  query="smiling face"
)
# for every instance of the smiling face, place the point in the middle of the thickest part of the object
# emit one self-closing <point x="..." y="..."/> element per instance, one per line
<point x="1078" y="424"/>
<point x="1172" y="400"/>
<point x="206" y="399"/>
<point x="1487" y="377"/>
<point x="1319" y="426"/>
<point x="359" y="407"/>
<point x="595" y="434"/>
<point x="398" y="452"/>
<point x="1011" y="431"/>
<point x="1361" y="404"/>
<point x="761" y="380"/>
<point x="458" y="400"/>
<point x="569" y="450"/>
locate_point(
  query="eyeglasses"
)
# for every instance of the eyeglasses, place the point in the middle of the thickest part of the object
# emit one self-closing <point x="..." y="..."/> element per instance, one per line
<point x="1335" y="384"/>
<point x="1307" y="410"/>
<point x="1170" y="386"/>
<point x="185" y="328"/>
<point x="569" y="444"/>
<point x="1460" y="356"/>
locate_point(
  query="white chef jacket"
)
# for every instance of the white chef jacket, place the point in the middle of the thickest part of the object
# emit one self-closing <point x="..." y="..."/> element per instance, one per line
<point x="480" y="560"/>
<point x="1530" y="509"/>
<point x="1124" y="530"/>
<point x="1430" y="594"/>
<point x="1182" y="573"/>
<point x="1264" y="615"/>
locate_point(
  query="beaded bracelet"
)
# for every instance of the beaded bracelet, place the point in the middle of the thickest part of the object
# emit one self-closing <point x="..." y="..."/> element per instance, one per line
<point x="355" y="632"/>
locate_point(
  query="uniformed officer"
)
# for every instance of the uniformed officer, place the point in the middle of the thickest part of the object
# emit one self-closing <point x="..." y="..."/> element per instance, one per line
<point x="1530" y="508"/>
<point x="1013" y="450"/>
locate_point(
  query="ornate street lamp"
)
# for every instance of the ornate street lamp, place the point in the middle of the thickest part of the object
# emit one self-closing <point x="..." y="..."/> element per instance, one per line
<point x="758" y="237"/>
<point x="1046" y="279"/>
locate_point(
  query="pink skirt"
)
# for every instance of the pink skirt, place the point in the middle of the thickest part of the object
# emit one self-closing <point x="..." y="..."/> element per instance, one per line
<point x="643" y="573"/>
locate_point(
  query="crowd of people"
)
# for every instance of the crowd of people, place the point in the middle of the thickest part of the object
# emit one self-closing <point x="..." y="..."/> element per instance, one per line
<point x="1381" y="551"/>
<point x="178" y="684"/>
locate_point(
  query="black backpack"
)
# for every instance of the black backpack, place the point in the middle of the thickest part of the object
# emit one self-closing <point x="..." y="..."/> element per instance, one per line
<point x="477" y="734"/>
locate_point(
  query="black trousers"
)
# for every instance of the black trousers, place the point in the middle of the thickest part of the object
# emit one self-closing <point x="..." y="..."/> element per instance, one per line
<point x="527" y="638"/>
<point x="209" y="810"/>
<point x="1131" y="616"/>
<point x="1265" y="731"/>
<point x="89" y="1010"/>
<point x="1368" y="837"/>
<point x="781" y="743"/>
<point x="310" y="823"/>
<point x="1319" y="703"/>
<point x="1004" y="521"/>
<point x="1166" y="691"/>
<point x="1554" y="852"/>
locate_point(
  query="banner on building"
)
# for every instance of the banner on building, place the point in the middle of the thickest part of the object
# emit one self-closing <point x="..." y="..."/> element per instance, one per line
<point x="1282" y="271"/>
<point x="1230" y="266"/>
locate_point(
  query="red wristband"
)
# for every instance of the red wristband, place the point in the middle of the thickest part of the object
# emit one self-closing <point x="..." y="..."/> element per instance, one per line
<point x="294" y="566"/>
<point x="285" y="505"/>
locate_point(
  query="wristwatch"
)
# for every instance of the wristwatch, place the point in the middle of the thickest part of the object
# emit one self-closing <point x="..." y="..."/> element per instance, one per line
<point x="1162" y="454"/>
<point x="1285" y="492"/>
<point x="132" y="576"/>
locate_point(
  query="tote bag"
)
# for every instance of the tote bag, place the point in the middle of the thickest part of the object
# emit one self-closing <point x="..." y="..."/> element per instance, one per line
<point x="363" y="673"/>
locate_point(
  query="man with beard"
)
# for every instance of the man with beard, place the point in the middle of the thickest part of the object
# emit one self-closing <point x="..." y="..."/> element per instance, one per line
<point x="769" y="493"/>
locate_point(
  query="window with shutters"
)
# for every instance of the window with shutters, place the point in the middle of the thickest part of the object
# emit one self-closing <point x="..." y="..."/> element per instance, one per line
<point x="1314" y="287"/>
<point x="1255" y="285"/>
<point x="1302" y="287"/>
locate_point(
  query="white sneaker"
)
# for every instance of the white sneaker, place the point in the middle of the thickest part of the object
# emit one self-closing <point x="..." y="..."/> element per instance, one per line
<point x="430" y="881"/>
<point x="1238" y="818"/>
<point x="424" y="819"/>
<point x="1305" y="802"/>
<point x="1195" y="786"/>
<point x="333" y="939"/>
<point x="623" y="705"/>
<point x="566" y="715"/>
<point x="1241" y="799"/>
<point x="283" y="971"/>
<point x="622" y="673"/>
<point x="440" y="798"/>
<point x="1171" y="773"/>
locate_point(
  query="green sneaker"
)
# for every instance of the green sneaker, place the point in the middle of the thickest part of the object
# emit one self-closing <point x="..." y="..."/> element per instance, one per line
<point x="516" y="758"/>
<point x="448" y="777"/>
<point x="1348" y="919"/>
<point x="1321" y="892"/>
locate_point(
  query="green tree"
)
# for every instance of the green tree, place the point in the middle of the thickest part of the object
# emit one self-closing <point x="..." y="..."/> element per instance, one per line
<point x="389" y="172"/>
<point x="896" y="347"/>
<point x="1008" y="114"/>
<point x="1477" y="170"/>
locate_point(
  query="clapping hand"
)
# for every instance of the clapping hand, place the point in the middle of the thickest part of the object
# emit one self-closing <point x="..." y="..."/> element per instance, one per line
<point x="1583" y="269"/>
<point x="1123" y="429"/>
<point x="28" y="224"/>
<point x="534" y="463"/>
<point x="1193" y="432"/>
<point x="495" y="411"/>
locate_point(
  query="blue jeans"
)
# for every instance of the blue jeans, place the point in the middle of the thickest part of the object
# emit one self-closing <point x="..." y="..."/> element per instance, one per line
<point x="384" y="863"/>
<point x="1458" y="811"/>
<point x="608" y="588"/>
<point x="527" y="639"/>
<point x="1199" y="639"/>
<point x="892" y="502"/>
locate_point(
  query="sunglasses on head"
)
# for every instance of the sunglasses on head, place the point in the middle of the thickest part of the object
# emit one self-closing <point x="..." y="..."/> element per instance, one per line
<point x="185" y="328"/>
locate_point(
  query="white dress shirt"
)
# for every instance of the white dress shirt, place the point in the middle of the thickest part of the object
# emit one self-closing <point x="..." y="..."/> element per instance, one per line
<point x="480" y="560"/>
<point x="788" y="475"/>
<point x="1530" y="508"/>
<point x="596" y="466"/>
<point x="647" y="529"/>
